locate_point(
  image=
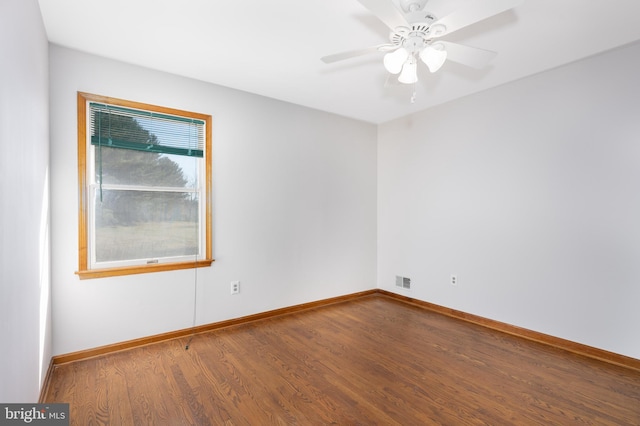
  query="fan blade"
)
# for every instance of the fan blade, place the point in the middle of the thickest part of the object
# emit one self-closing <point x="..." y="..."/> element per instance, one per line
<point x="386" y="12"/>
<point x="391" y="81"/>
<point x="467" y="55"/>
<point x="355" y="53"/>
<point x="475" y="12"/>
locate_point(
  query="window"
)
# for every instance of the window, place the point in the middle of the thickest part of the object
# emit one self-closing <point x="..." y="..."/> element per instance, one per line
<point x="144" y="176"/>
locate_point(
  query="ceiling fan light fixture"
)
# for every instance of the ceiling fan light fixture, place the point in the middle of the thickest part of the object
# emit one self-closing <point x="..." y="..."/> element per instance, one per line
<point x="409" y="74"/>
<point x="393" y="61"/>
<point x="433" y="57"/>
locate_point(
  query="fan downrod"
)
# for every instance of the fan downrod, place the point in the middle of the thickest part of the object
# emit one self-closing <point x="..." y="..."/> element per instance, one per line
<point x="409" y="6"/>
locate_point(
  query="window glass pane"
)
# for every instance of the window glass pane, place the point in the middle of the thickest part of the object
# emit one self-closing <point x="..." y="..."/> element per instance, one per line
<point x="128" y="167"/>
<point x="145" y="225"/>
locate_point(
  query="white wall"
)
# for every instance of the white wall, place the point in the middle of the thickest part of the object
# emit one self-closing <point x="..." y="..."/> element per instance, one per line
<point x="25" y="320"/>
<point x="294" y="208"/>
<point x="530" y="192"/>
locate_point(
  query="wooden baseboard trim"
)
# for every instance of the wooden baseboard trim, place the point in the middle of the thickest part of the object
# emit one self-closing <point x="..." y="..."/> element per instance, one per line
<point x="130" y="344"/>
<point x="577" y="348"/>
<point x="47" y="382"/>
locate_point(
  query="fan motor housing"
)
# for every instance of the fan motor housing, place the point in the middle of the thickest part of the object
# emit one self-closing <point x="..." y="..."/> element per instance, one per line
<point x="417" y="36"/>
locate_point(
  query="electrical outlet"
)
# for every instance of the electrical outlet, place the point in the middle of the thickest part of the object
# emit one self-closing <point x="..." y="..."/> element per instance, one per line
<point x="235" y="287"/>
<point x="454" y="279"/>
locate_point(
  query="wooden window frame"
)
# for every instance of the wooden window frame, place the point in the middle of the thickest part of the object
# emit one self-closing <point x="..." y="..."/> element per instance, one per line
<point x="84" y="270"/>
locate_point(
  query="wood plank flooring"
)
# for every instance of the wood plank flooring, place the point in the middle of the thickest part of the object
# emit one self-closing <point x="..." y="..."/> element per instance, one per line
<point x="373" y="360"/>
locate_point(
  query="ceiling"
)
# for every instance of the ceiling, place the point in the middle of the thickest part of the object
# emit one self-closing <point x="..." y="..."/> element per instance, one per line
<point x="273" y="48"/>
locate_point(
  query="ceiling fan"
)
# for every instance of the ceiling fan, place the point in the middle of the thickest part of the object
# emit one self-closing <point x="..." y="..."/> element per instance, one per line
<point x="416" y="32"/>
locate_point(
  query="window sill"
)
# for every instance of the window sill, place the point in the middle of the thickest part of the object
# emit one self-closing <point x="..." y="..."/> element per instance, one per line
<point x="142" y="269"/>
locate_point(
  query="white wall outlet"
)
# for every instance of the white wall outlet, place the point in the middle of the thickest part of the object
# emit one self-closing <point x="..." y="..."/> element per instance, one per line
<point x="454" y="279"/>
<point x="235" y="287"/>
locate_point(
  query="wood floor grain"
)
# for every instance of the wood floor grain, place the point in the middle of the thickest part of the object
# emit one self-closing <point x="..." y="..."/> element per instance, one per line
<point x="368" y="361"/>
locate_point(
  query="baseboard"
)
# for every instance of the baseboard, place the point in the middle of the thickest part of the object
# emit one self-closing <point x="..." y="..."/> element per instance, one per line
<point x="47" y="382"/>
<point x="129" y="344"/>
<point x="577" y="348"/>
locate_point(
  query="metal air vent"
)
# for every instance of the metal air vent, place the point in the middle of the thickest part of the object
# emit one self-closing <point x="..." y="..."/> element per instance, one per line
<point x="403" y="282"/>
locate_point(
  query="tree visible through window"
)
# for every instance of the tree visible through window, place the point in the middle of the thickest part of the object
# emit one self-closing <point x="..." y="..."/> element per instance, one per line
<point x="145" y="176"/>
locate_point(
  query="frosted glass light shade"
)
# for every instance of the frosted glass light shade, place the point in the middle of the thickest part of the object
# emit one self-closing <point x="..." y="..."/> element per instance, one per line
<point x="433" y="58"/>
<point x="393" y="61"/>
<point x="409" y="74"/>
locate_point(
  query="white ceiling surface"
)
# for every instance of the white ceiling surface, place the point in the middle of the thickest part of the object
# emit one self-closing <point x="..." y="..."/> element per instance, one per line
<point x="273" y="48"/>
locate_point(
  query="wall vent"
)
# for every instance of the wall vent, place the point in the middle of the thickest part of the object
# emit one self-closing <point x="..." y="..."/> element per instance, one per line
<point x="403" y="282"/>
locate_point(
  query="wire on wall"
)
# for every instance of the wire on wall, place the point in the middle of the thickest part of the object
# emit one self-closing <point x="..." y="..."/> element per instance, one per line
<point x="195" y="257"/>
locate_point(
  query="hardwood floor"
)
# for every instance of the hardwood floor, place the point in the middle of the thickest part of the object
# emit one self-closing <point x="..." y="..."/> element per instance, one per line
<point x="373" y="360"/>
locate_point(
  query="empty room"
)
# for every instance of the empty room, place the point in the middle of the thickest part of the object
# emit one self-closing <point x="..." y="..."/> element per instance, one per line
<point x="329" y="212"/>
